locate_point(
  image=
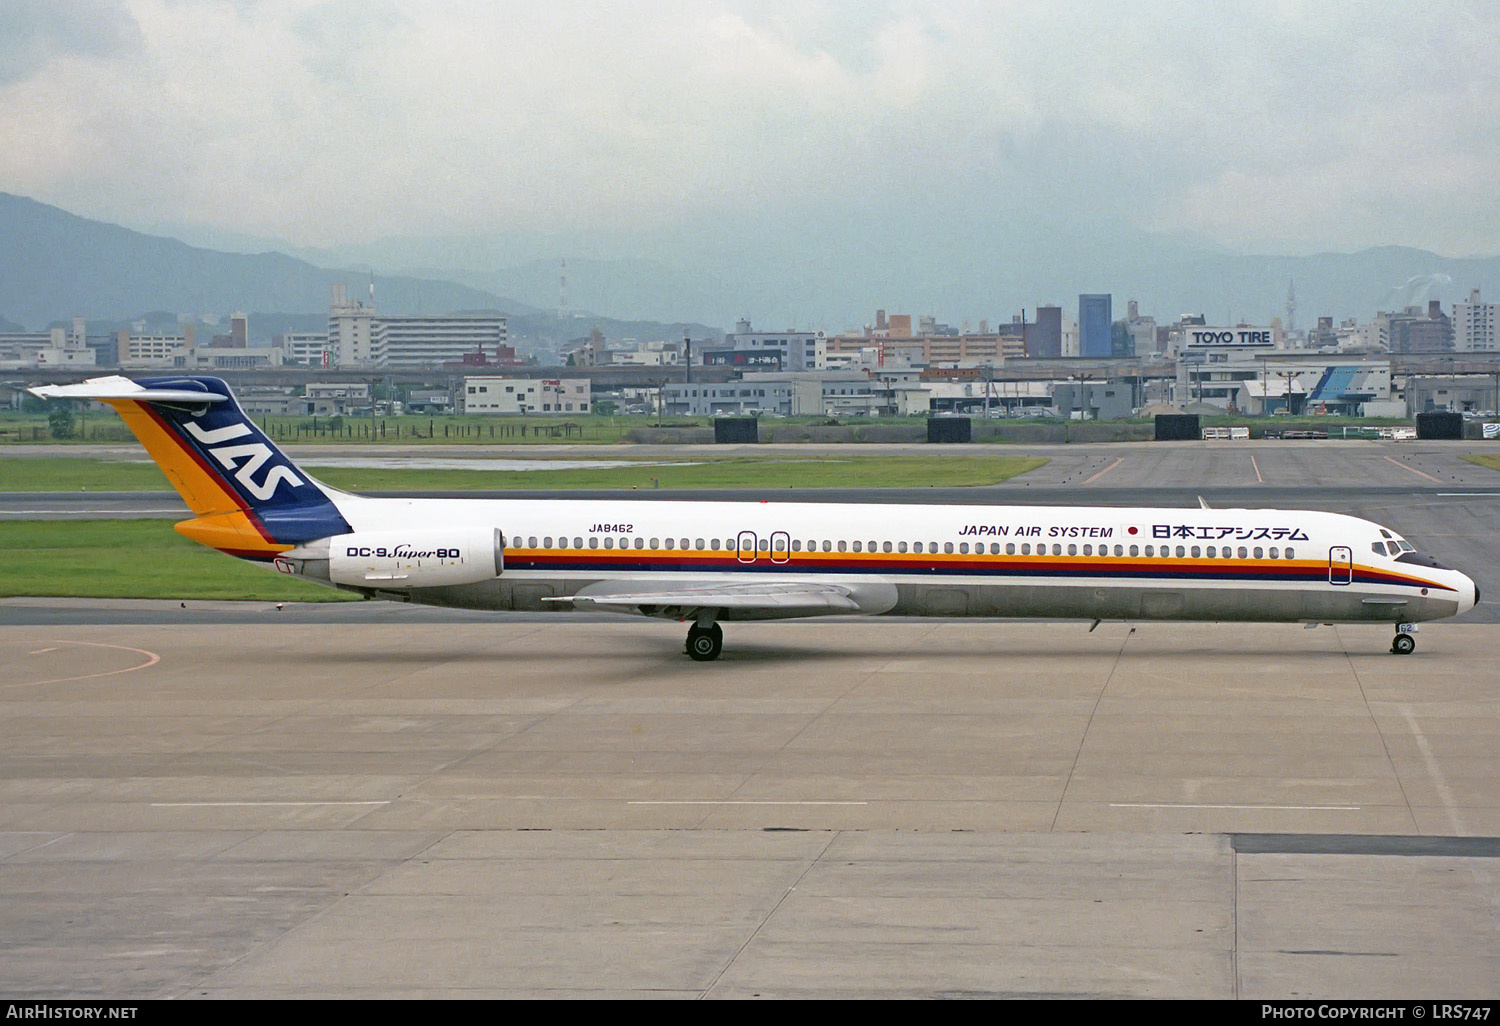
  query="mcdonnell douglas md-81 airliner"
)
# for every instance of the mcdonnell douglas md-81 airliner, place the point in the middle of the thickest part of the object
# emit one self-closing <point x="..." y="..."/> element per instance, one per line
<point x="709" y="562"/>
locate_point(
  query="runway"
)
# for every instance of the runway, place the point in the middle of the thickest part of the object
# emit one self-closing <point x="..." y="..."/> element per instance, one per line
<point x="230" y="800"/>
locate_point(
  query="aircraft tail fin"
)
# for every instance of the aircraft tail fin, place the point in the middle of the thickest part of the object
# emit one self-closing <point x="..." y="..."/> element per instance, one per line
<point x="247" y="497"/>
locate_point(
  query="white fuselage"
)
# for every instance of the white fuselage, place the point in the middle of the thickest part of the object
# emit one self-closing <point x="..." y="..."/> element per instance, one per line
<point x="935" y="560"/>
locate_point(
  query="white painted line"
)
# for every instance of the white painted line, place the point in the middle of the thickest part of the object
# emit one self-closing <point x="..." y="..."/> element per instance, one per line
<point x="1195" y="805"/>
<point x="257" y="804"/>
<point x="1258" y="478"/>
<point x="1414" y="470"/>
<point x="1470" y="495"/>
<point x="740" y="803"/>
<point x="1106" y="470"/>
<point x="1438" y="780"/>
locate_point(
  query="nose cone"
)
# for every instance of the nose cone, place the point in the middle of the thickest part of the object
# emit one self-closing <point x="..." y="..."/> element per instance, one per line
<point x="1471" y="598"/>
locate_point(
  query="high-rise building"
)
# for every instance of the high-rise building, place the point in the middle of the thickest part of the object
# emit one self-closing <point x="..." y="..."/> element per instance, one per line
<point x="1044" y="338"/>
<point x="1095" y="317"/>
<point x="1475" y="325"/>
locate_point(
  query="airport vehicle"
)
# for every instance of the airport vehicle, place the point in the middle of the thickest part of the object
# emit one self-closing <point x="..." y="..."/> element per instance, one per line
<point x="706" y="563"/>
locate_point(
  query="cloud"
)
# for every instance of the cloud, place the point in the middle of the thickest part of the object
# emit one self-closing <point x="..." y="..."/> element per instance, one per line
<point x="35" y="32"/>
<point x="900" y="122"/>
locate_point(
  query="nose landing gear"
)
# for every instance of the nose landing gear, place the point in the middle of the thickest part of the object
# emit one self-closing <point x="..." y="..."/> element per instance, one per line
<point x="1404" y="643"/>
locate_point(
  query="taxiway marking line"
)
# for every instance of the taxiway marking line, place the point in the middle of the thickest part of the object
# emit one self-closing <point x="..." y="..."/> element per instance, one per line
<point x="151" y="660"/>
<point x="1414" y="470"/>
<point x="1106" y="470"/>
<point x="1258" y="478"/>
<point x="1194" y="805"/>
<point x="221" y="805"/>
<point x="739" y="803"/>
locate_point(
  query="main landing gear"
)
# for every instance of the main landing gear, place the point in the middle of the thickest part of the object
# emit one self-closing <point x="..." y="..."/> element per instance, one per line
<point x="1404" y="643"/>
<point x="704" y="643"/>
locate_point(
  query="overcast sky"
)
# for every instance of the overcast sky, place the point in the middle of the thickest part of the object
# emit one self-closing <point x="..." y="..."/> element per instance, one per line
<point x="1258" y="126"/>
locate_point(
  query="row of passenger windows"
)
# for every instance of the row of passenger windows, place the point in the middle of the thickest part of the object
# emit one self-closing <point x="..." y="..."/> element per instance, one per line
<point x="779" y="544"/>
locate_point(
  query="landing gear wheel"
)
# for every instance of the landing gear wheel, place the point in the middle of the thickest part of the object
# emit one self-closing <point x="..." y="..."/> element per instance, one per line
<point x="705" y="643"/>
<point x="1403" y="644"/>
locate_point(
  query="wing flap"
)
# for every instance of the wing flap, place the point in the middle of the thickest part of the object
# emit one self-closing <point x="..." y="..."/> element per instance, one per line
<point x="767" y="598"/>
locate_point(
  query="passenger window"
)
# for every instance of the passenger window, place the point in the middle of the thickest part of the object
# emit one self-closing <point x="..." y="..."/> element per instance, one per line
<point x="948" y="547"/>
<point x="684" y="543"/>
<point x="843" y="546"/>
<point x="656" y="543"/>
<point x="578" y="543"/>
<point x="885" y="547"/>
<point x="994" y="548"/>
<point x="1150" y="550"/>
<point x="1135" y="550"/>
<point x="593" y="543"/>
<point x="1026" y="548"/>
<point x="1259" y="552"/>
<point x="562" y="543"/>
<point x="698" y="543"/>
<point x="1197" y="552"/>
<point x="546" y="543"/>
<point x="828" y="547"/>
<point x="901" y="546"/>
<point x="1212" y="552"/>
<point x="963" y="547"/>
<point x="609" y="542"/>
<point x="1291" y="553"/>
<point x="1274" y="553"/>
<point x="669" y="543"/>
<point x="715" y="545"/>
<point x="857" y="547"/>
<point x="796" y="544"/>
<point x="779" y="545"/>
<point x="1181" y="552"/>
<point x="1072" y="550"/>
<point x="1088" y="550"/>
<point x="1243" y="553"/>
<point x="1119" y="550"/>
<point x="1010" y="548"/>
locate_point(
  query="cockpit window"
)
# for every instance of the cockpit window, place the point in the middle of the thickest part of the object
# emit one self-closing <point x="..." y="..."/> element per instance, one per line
<point x="1405" y="547"/>
<point x="1378" y="547"/>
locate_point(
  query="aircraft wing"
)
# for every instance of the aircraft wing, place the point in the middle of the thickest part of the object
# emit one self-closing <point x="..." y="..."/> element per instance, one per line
<point x="749" y="599"/>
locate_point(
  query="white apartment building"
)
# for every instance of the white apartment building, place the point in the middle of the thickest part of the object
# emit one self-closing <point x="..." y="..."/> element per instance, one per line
<point x="526" y="395"/>
<point x="309" y="348"/>
<point x="1474" y="325"/>
<point x="359" y="337"/>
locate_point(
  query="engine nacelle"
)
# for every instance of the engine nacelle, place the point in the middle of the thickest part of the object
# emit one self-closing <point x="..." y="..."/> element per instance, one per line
<point x="397" y="560"/>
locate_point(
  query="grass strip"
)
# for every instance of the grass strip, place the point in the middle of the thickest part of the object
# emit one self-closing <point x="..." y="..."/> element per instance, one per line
<point x="66" y="474"/>
<point x="135" y="559"/>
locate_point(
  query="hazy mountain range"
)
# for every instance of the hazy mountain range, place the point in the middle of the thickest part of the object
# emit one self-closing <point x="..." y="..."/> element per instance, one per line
<point x="55" y="265"/>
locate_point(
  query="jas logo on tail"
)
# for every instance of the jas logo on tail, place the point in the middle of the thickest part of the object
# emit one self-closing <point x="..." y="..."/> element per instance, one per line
<point x="254" y="454"/>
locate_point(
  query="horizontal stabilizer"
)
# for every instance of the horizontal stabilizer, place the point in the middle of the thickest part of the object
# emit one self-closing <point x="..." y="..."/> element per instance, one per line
<point x="117" y="387"/>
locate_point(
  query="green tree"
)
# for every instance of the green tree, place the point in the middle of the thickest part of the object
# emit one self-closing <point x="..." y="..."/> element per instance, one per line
<point x="60" y="421"/>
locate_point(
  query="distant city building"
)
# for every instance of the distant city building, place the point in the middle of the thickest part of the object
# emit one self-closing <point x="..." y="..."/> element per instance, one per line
<point x="1475" y="325"/>
<point x="526" y="395"/>
<point x="797" y="350"/>
<point x="802" y="394"/>
<point x="1413" y="330"/>
<point x="358" y="337"/>
<point x="1044" y="338"/>
<point x="309" y="349"/>
<point x="1095" y="325"/>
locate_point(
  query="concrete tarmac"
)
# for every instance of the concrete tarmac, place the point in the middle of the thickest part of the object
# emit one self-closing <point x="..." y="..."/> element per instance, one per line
<point x="384" y="801"/>
<point x="568" y="807"/>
